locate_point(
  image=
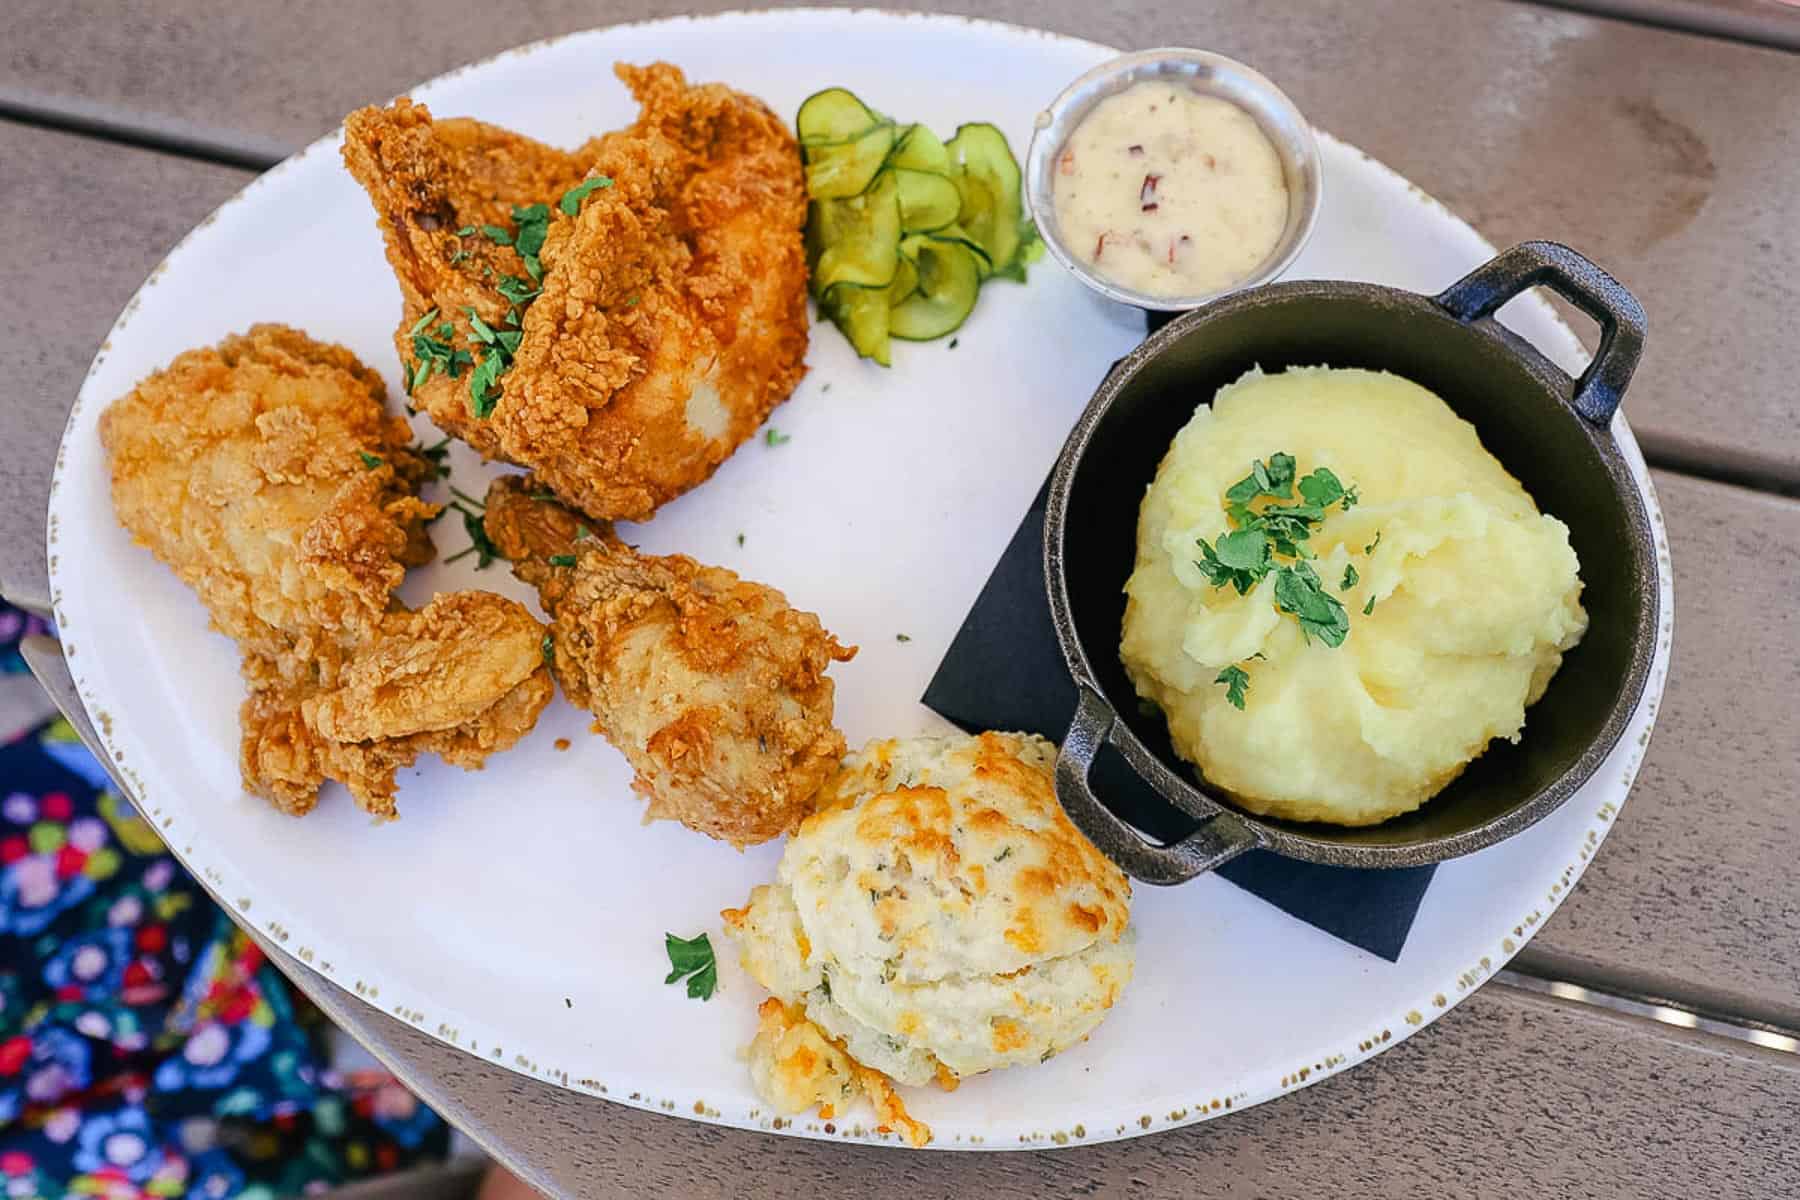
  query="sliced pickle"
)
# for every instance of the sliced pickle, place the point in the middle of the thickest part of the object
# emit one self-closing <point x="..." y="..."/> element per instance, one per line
<point x="857" y="239"/>
<point x="949" y="279"/>
<point x="988" y="177"/>
<point x="927" y="201"/>
<point x="861" y="313"/>
<point x="834" y="117"/>
<point x="919" y="149"/>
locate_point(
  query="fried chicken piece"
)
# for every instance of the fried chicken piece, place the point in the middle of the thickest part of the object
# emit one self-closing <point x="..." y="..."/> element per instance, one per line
<point x="428" y="180"/>
<point x="672" y="318"/>
<point x="713" y="687"/>
<point x="266" y="474"/>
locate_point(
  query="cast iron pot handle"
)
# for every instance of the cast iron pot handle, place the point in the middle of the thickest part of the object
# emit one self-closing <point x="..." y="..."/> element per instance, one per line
<point x="1571" y="276"/>
<point x="1219" y="839"/>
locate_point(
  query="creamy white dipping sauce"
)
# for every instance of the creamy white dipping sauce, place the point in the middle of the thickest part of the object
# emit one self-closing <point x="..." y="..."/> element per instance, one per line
<point x="1169" y="192"/>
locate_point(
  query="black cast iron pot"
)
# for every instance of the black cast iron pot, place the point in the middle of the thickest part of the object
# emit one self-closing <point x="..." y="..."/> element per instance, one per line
<point x="1551" y="432"/>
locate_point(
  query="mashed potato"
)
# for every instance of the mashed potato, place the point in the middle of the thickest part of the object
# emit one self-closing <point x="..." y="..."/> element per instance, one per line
<point x="1475" y="597"/>
<point x="939" y="917"/>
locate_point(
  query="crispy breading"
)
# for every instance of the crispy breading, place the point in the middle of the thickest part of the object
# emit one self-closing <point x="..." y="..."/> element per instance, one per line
<point x="672" y="317"/>
<point x="713" y="687"/>
<point x="428" y="179"/>
<point x="266" y="474"/>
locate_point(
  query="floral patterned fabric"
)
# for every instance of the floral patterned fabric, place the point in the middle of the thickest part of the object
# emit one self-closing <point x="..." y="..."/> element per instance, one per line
<point x="146" y="1047"/>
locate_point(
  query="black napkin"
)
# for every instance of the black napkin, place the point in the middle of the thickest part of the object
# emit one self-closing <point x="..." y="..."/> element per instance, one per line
<point x="1005" y="670"/>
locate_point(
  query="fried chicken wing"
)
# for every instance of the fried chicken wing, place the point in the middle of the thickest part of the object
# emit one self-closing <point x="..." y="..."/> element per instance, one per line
<point x="266" y="474"/>
<point x="672" y="313"/>
<point x="713" y="687"/>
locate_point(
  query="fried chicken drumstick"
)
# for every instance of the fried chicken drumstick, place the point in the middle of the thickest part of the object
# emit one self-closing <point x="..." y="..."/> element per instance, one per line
<point x="713" y="687"/>
<point x="267" y="475"/>
<point x="640" y="326"/>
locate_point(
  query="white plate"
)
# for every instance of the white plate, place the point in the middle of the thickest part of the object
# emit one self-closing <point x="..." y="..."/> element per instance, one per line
<point x="519" y="912"/>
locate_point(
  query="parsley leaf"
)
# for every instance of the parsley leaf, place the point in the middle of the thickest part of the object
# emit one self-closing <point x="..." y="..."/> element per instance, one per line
<point x="517" y="291"/>
<point x="1350" y="577"/>
<point x="1369" y="607"/>
<point x="562" y="560"/>
<point x="434" y="455"/>
<point x="1321" y="489"/>
<point x="479" y="544"/>
<point x="903" y="637"/>
<point x="692" y="959"/>
<point x="547" y="648"/>
<point x="571" y="199"/>
<point x="1297" y="591"/>
<point x="497" y="235"/>
<point x="465" y="231"/>
<point x="1274" y="478"/>
<point x="484" y="383"/>
<point x="1236" y="680"/>
<point x="533" y="223"/>
<point x="369" y="461"/>
<point x="422" y="322"/>
<point x="775" y="437"/>
<point x="1370" y="548"/>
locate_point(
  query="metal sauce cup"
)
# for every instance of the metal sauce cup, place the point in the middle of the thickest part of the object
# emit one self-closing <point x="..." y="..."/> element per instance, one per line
<point x="1209" y="75"/>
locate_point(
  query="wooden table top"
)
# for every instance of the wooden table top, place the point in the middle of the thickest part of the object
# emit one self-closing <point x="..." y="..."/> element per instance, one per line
<point x="1668" y="156"/>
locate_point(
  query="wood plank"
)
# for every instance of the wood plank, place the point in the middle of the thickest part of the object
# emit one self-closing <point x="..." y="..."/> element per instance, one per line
<point x="1766" y="22"/>
<point x="1667" y="157"/>
<point x="1511" y="1094"/>
<point x="85" y="222"/>
<point x="1695" y="885"/>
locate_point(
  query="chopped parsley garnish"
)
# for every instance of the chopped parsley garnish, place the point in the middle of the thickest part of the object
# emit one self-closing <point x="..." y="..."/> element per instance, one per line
<point x="562" y="560"/>
<point x="484" y="385"/>
<point x="547" y="648"/>
<point x="432" y="351"/>
<point x="571" y="199"/>
<point x="902" y="637"/>
<point x="479" y="545"/>
<point x="369" y="461"/>
<point x="692" y="959"/>
<point x="1297" y="591"/>
<point x="466" y="498"/>
<point x="582" y="532"/>
<point x="775" y="437"/>
<point x="740" y="539"/>
<point x="1370" y="548"/>
<point x="498" y="235"/>
<point x="1244" y="556"/>
<point x="545" y="494"/>
<point x="631" y="301"/>
<point x="518" y="292"/>
<point x="1369" y="607"/>
<point x="435" y="456"/>
<point x="533" y="223"/>
<point x="1236" y="680"/>
<point x="1005" y="853"/>
<point x="465" y="231"/>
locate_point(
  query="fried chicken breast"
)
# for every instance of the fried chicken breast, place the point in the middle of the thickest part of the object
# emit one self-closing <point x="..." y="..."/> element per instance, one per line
<point x="671" y="312"/>
<point x="713" y="687"/>
<point x="266" y="473"/>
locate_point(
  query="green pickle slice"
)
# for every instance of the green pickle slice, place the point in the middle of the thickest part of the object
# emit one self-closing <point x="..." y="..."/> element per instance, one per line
<point x="927" y="201"/>
<point x="989" y="181"/>
<point x="949" y="279"/>
<point x="858" y="238"/>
